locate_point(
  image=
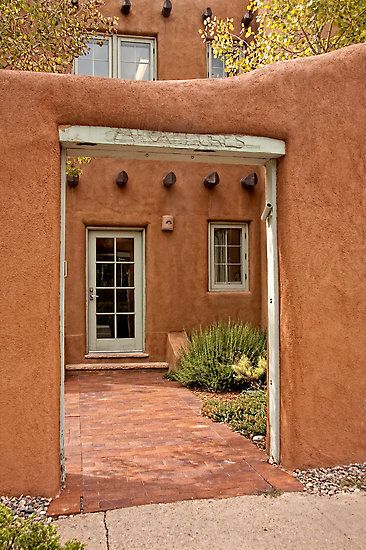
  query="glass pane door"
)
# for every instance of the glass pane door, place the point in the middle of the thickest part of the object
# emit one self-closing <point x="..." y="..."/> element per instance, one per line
<point x="115" y="291"/>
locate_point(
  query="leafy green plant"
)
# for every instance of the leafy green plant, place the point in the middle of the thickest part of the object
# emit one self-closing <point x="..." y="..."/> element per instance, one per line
<point x="28" y="534"/>
<point x="210" y="359"/>
<point x="247" y="414"/>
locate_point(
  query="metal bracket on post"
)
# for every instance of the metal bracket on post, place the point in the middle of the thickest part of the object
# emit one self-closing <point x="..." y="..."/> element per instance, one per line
<point x="267" y="212"/>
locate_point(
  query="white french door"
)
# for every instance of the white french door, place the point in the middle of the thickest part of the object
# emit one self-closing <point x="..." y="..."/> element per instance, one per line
<point x="115" y="291"/>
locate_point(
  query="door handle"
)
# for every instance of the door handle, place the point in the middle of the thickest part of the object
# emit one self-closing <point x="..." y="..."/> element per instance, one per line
<point x="92" y="296"/>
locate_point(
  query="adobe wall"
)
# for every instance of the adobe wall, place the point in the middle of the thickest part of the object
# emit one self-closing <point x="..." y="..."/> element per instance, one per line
<point x="181" y="53"/>
<point x="318" y="106"/>
<point x="177" y="296"/>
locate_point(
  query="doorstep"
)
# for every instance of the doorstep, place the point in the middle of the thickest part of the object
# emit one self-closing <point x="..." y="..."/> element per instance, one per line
<point x="116" y="366"/>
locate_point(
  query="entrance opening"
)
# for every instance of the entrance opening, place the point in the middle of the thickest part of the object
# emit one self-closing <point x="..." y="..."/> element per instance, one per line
<point x="115" y="262"/>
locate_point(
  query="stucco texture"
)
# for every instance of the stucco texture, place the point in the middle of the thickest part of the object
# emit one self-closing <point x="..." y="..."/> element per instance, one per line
<point x="318" y="106"/>
<point x="177" y="296"/>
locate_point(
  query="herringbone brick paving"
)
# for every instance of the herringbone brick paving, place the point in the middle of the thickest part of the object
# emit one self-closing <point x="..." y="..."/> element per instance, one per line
<point x="133" y="438"/>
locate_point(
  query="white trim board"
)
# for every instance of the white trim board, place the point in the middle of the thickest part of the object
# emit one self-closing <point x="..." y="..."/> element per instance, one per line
<point x="145" y="145"/>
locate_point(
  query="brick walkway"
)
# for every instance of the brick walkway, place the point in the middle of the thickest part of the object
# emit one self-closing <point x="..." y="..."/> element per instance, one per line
<point x="133" y="438"/>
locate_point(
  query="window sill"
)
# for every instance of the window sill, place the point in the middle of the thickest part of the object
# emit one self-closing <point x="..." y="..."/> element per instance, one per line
<point x="118" y="355"/>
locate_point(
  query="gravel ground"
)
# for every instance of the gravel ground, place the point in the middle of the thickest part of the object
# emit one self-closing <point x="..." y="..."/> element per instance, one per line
<point x="25" y="506"/>
<point x="332" y="481"/>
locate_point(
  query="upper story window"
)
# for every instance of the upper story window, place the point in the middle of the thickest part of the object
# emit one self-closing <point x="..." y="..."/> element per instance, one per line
<point x="228" y="254"/>
<point x="215" y="65"/>
<point x="129" y="58"/>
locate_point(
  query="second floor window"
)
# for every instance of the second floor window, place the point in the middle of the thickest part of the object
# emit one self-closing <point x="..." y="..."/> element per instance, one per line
<point x="215" y="65"/>
<point x="123" y="57"/>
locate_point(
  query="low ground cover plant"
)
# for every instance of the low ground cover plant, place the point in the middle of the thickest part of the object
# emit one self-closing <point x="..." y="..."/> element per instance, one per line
<point x="246" y="414"/>
<point x="225" y="356"/>
<point x="27" y="534"/>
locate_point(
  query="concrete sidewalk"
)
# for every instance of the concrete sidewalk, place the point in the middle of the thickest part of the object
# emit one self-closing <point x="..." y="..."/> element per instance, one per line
<point x="290" y="521"/>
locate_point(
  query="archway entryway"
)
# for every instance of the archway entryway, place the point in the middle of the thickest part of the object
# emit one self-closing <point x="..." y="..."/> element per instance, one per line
<point x="213" y="149"/>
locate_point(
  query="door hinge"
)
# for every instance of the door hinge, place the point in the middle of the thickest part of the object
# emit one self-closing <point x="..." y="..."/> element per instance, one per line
<point x="65" y="269"/>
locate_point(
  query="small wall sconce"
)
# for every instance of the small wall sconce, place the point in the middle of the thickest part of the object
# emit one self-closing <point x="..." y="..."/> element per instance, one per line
<point x="247" y="19"/>
<point x="167" y="223"/>
<point x="72" y="181"/>
<point x="211" y="180"/>
<point x="126" y="7"/>
<point x="249" y="181"/>
<point x="207" y="14"/>
<point x="167" y="8"/>
<point x="169" y="179"/>
<point x="122" y="179"/>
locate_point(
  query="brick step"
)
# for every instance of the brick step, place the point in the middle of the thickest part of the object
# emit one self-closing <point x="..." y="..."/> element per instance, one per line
<point x="116" y="366"/>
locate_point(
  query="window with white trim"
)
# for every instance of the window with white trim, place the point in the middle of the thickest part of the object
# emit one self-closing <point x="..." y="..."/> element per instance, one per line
<point x="125" y="57"/>
<point x="215" y="65"/>
<point x="228" y="256"/>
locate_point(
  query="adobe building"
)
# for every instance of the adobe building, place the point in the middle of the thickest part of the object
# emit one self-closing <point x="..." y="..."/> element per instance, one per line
<point x="131" y="281"/>
<point x="105" y="271"/>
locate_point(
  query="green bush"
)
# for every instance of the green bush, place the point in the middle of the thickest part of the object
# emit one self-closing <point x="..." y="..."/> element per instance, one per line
<point x="28" y="534"/>
<point x="246" y="414"/>
<point x="222" y="357"/>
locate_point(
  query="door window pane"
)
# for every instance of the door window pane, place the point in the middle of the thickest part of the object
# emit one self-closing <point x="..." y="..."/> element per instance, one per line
<point x="105" y="275"/>
<point x="125" y="301"/>
<point x="105" y="249"/>
<point x="105" y="326"/>
<point x="234" y="254"/>
<point x="234" y="236"/>
<point x="105" y="301"/>
<point x="125" y="326"/>
<point x="95" y="62"/>
<point x="125" y="275"/>
<point x="234" y="274"/>
<point x="125" y="250"/>
<point x="135" y="60"/>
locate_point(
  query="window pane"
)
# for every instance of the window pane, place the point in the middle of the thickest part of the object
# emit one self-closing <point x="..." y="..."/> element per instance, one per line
<point x="105" y="249"/>
<point x="125" y="250"/>
<point x="220" y="254"/>
<point x="234" y="254"/>
<point x="125" y="326"/>
<point x="95" y="62"/>
<point x="218" y="68"/>
<point x="105" y="301"/>
<point x="105" y="326"/>
<point x="125" y="275"/>
<point x="105" y="275"/>
<point x="125" y="301"/>
<point x="220" y="236"/>
<point x="220" y="274"/>
<point x="234" y="236"/>
<point x="234" y="274"/>
<point x="135" y="60"/>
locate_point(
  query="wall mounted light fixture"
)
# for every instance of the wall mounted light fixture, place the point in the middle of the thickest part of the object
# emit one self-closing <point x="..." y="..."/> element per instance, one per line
<point x="122" y="179"/>
<point x="167" y="8"/>
<point x="249" y="181"/>
<point x="207" y="14"/>
<point x="169" y="179"/>
<point x="247" y="19"/>
<point x="211" y="180"/>
<point x="126" y="7"/>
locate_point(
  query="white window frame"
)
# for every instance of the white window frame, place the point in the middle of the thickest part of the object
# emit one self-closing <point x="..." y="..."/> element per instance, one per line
<point x="210" y="58"/>
<point x="105" y="38"/>
<point x="228" y="287"/>
<point x="115" y="53"/>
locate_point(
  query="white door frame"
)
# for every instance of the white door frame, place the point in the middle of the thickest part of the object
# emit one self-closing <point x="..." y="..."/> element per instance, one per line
<point x="139" y="286"/>
<point x="209" y="148"/>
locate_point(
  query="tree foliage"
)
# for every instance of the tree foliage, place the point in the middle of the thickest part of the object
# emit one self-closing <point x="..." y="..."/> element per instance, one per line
<point x="46" y="35"/>
<point x="285" y="29"/>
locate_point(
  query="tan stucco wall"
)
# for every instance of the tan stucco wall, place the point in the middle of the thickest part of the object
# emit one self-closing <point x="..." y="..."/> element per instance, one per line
<point x="177" y="296"/>
<point x="319" y="107"/>
<point x="181" y="53"/>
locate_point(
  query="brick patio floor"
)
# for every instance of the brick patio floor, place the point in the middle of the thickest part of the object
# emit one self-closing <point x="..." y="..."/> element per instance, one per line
<point x="133" y="438"/>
